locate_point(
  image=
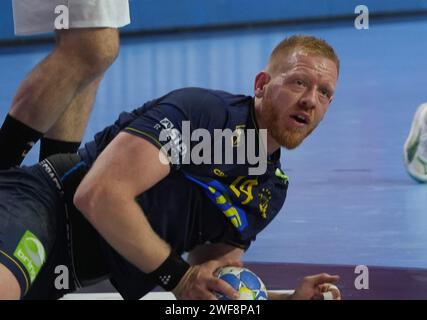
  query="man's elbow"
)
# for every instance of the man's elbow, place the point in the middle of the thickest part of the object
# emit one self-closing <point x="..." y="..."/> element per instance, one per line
<point x="87" y="201"/>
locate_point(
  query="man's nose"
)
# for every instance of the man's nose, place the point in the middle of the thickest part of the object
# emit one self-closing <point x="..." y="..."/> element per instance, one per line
<point x="308" y="100"/>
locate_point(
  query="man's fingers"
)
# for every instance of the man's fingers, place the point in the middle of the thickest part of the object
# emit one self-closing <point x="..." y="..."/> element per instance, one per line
<point x="210" y="296"/>
<point x="330" y="292"/>
<point x="229" y="263"/>
<point x="223" y="287"/>
<point x="324" y="278"/>
<point x="216" y="265"/>
<point x="207" y="273"/>
<point x="327" y="287"/>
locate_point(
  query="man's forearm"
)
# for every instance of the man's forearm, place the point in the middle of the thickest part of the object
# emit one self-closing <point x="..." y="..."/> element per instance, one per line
<point x="122" y="223"/>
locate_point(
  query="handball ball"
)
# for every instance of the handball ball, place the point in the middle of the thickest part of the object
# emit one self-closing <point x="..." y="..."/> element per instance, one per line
<point x="245" y="282"/>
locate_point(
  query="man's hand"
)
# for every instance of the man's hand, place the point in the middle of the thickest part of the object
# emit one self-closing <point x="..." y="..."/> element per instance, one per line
<point x="313" y="287"/>
<point x="200" y="282"/>
<point x="330" y="292"/>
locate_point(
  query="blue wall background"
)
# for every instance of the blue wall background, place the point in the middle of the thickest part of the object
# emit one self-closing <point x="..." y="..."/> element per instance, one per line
<point x="155" y="15"/>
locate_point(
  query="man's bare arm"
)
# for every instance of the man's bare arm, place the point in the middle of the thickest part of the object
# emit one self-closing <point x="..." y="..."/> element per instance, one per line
<point x="106" y="196"/>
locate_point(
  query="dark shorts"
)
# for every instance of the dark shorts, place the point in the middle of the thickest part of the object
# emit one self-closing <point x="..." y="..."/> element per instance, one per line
<point x="37" y="224"/>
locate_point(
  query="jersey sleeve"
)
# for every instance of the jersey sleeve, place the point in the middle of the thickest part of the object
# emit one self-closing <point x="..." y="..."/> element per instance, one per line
<point x="170" y="122"/>
<point x="162" y="125"/>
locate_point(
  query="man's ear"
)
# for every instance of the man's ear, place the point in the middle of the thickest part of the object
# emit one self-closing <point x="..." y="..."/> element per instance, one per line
<point x="261" y="80"/>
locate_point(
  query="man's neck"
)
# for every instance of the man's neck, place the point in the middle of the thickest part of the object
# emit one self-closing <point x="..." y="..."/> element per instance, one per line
<point x="272" y="145"/>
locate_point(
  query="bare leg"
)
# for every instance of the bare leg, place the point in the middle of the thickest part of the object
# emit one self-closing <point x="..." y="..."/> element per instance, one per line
<point x="9" y="287"/>
<point x="81" y="56"/>
<point x="61" y="81"/>
<point x="71" y="125"/>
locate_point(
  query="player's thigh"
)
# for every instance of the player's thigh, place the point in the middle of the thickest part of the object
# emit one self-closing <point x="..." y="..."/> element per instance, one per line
<point x="31" y="215"/>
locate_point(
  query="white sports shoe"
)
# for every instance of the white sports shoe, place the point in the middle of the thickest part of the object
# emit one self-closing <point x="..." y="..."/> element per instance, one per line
<point x="415" y="149"/>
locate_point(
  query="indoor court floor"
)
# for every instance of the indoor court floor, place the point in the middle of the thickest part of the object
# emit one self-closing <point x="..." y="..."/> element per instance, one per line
<point x="350" y="200"/>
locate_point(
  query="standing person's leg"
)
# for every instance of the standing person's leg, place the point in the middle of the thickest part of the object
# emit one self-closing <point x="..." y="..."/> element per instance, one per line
<point x="67" y="132"/>
<point x="66" y="80"/>
<point x="101" y="49"/>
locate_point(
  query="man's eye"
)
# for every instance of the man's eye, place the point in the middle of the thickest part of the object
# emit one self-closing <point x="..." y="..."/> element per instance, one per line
<point x="299" y="82"/>
<point x="325" y="93"/>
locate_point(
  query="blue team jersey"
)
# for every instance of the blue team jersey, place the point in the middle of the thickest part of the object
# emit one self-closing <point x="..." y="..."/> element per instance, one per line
<point x="197" y="203"/>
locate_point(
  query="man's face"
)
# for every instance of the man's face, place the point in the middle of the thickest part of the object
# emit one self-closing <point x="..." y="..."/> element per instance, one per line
<point x="295" y="101"/>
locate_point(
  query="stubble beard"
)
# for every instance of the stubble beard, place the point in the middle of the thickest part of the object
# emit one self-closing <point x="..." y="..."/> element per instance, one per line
<point x="288" y="138"/>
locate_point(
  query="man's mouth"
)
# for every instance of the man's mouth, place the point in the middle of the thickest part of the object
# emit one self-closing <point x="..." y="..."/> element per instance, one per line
<point x="301" y="118"/>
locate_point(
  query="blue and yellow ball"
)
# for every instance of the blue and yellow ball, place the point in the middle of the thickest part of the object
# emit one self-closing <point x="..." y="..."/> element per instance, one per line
<point x="245" y="282"/>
